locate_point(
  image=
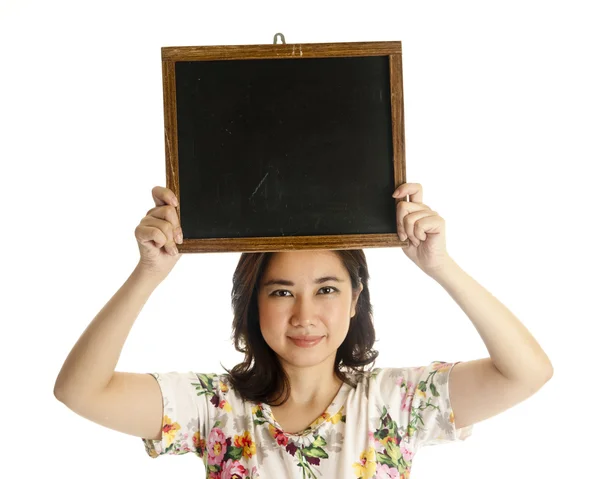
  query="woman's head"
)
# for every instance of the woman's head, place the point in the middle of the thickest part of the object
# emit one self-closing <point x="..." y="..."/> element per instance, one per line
<point x="276" y="296"/>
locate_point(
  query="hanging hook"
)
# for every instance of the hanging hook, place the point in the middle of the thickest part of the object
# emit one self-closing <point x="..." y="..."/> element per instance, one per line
<point x="275" y="38"/>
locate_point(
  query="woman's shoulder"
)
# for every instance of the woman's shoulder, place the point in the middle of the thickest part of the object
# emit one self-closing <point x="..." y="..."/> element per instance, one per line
<point x="396" y="375"/>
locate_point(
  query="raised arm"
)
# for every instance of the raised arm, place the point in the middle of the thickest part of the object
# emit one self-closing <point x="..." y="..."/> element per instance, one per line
<point x="87" y="382"/>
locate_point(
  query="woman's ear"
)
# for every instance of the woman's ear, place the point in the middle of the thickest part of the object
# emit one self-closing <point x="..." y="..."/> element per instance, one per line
<point x="355" y="297"/>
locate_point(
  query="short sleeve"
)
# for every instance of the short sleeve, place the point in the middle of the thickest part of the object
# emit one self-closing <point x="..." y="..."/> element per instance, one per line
<point x="419" y="397"/>
<point x="188" y="400"/>
<point x="431" y="405"/>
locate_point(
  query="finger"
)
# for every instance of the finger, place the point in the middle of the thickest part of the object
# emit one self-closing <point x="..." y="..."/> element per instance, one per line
<point x="168" y="213"/>
<point x="164" y="196"/>
<point x="414" y="191"/>
<point x="150" y="235"/>
<point x="165" y="227"/>
<point x="404" y="208"/>
<point x="414" y="224"/>
<point x="429" y="225"/>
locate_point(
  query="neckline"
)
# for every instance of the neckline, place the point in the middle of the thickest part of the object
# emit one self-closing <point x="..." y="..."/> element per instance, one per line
<point x="331" y="410"/>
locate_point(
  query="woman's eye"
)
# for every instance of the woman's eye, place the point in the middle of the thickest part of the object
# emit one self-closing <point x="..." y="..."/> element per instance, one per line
<point x="274" y="293"/>
<point x="329" y="287"/>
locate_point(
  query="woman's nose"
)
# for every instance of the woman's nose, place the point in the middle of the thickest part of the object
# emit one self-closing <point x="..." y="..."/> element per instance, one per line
<point x="304" y="311"/>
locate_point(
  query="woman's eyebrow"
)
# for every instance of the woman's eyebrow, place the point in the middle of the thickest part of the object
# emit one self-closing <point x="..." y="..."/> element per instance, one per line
<point x="286" y="282"/>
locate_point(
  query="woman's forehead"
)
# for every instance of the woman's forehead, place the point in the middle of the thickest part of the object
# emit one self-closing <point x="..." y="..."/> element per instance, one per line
<point x="305" y="262"/>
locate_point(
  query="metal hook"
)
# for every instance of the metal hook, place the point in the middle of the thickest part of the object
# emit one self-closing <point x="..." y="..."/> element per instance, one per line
<point x="275" y="38"/>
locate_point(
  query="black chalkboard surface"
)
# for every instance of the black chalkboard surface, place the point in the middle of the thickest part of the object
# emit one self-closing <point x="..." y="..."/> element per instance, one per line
<point x="279" y="147"/>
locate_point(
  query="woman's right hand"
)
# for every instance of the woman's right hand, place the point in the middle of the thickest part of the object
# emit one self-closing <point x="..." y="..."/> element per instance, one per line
<point x="157" y="233"/>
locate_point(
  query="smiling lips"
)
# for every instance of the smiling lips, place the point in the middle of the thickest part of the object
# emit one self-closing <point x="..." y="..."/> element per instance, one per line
<point x="306" y="341"/>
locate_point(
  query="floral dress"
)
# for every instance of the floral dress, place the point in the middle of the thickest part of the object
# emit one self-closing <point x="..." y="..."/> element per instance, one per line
<point x="370" y="431"/>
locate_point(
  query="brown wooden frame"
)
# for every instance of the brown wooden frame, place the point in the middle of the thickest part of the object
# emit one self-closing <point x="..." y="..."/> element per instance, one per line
<point x="393" y="50"/>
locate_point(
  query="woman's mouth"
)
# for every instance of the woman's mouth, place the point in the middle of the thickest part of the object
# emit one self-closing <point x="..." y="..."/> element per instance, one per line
<point x="303" y="343"/>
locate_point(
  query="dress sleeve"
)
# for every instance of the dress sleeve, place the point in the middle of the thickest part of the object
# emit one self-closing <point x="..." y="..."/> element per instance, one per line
<point x="188" y="405"/>
<point x="431" y="407"/>
<point x="420" y="400"/>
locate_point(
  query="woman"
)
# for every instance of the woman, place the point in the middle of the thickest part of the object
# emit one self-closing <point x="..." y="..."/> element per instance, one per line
<point x="302" y="404"/>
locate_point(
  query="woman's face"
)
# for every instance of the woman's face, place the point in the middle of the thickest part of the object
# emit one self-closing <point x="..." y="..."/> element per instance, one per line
<point x="305" y="293"/>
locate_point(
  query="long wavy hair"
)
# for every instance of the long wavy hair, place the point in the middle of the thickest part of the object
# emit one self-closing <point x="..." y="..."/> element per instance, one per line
<point x="261" y="377"/>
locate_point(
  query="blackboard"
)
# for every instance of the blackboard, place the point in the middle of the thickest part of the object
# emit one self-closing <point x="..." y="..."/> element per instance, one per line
<point x="279" y="147"/>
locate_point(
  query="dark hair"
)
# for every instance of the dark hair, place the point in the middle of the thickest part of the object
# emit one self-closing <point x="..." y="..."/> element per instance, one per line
<point x="260" y="377"/>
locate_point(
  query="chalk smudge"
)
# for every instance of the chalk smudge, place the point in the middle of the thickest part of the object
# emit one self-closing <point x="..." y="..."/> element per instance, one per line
<point x="261" y="182"/>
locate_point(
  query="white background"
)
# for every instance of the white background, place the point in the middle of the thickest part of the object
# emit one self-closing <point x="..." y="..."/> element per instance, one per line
<point x="502" y="128"/>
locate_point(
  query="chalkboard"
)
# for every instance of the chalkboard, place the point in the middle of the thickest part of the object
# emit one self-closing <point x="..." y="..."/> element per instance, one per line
<point x="283" y="147"/>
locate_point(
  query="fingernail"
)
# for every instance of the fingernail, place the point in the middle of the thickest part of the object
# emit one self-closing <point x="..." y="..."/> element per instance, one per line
<point x="175" y="202"/>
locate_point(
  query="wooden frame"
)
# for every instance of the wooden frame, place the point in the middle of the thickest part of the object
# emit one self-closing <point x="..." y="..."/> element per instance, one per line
<point x="170" y="55"/>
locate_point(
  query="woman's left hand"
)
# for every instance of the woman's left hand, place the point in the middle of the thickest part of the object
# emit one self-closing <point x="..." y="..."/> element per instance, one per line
<point x="425" y="229"/>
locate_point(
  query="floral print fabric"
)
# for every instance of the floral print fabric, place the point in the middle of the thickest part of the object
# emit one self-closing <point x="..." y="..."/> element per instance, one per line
<point x="371" y="431"/>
